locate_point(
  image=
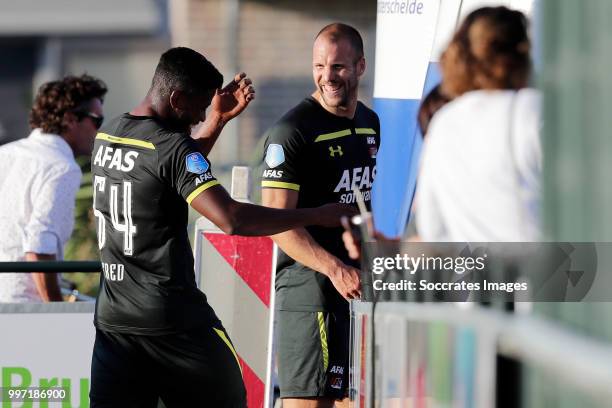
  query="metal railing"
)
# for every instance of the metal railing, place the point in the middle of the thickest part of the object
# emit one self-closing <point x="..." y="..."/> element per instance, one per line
<point x="51" y="266"/>
<point x="69" y="293"/>
<point x="578" y="361"/>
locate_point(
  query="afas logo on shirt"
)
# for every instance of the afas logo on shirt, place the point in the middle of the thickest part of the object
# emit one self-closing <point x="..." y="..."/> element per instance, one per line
<point x="273" y="173"/>
<point x="196" y="163"/>
<point x="203" y="178"/>
<point x="337" y="369"/>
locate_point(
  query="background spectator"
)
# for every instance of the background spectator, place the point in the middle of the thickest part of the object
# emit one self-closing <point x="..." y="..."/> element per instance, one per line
<point x="39" y="179"/>
<point x="432" y="103"/>
<point x="481" y="163"/>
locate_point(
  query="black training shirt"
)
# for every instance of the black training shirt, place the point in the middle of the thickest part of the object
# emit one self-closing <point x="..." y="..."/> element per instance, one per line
<point x="321" y="156"/>
<point x="144" y="176"/>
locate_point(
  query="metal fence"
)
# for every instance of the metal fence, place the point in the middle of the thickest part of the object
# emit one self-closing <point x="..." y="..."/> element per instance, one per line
<point x="452" y="355"/>
<point x="70" y="292"/>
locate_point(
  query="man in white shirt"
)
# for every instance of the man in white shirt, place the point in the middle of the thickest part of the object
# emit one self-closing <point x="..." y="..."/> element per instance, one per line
<point x="39" y="179"/>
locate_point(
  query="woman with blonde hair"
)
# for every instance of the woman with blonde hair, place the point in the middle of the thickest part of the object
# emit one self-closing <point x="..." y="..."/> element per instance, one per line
<point x="481" y="163"/>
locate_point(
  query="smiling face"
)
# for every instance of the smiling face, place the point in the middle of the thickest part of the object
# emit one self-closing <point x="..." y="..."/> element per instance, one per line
<point x="336" y="69"/>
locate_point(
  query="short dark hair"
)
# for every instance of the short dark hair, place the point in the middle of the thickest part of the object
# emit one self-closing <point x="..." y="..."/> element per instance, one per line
<point x="55" y="98"/>
<point x="431" y="104"/>
<point x="184" y="69"/>
<point x="490" y="50"/>
<point x="337" y="31"/>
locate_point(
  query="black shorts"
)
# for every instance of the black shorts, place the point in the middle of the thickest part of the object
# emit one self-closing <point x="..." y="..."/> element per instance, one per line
<point x="313" y="354"/>
<point x="197" y="368"/>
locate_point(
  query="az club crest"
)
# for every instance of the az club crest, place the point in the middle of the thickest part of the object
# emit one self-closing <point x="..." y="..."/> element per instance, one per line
<point x="275" y="155"/>
<point x="196" y="163"/>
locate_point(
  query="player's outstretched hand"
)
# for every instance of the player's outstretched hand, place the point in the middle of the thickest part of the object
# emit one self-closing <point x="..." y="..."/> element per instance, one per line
<point x="330" y="214"/>
<point x="353" y="244"/>
<point x="346" y="280"/>
<point x="231" y="100"/>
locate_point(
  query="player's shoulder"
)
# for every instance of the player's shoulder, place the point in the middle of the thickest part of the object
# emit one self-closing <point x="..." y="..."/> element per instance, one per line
<point x="129" y="130"/>
<point x="299" y="116"/>
<point x="178" y="148"/>
<point x="170" y="141"/>
<point x="297" y="122"/>
<point x="366" y="121"/>
<point x="166" y="141"/>
<point x="364" y="111"/>
<point x="306" y="109"/>
<point x="112" y="125"/>
<point x="161" y="144"/>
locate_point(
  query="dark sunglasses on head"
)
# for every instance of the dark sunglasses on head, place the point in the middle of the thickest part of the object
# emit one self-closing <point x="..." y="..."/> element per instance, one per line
<point x="96" y="119"/>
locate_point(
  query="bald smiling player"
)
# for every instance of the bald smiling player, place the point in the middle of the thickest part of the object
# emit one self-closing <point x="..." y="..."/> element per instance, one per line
<point x="315" y="155"/>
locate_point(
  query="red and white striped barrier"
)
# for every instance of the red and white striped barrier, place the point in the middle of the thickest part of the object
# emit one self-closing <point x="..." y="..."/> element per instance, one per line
<point x="237" y="275"/>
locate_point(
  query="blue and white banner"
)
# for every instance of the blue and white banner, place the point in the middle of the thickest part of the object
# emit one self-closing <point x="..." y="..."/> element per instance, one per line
<point x="410" y="36"/>
<point x="405" y="33"/>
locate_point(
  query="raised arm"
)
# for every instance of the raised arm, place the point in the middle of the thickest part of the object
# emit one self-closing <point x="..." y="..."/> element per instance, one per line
<point x="227" y="103"/>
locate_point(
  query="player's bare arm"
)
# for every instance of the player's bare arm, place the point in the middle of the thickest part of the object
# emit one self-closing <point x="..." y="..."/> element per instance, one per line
<point x="236" y="218"/>
<point x="300" y="246"/>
